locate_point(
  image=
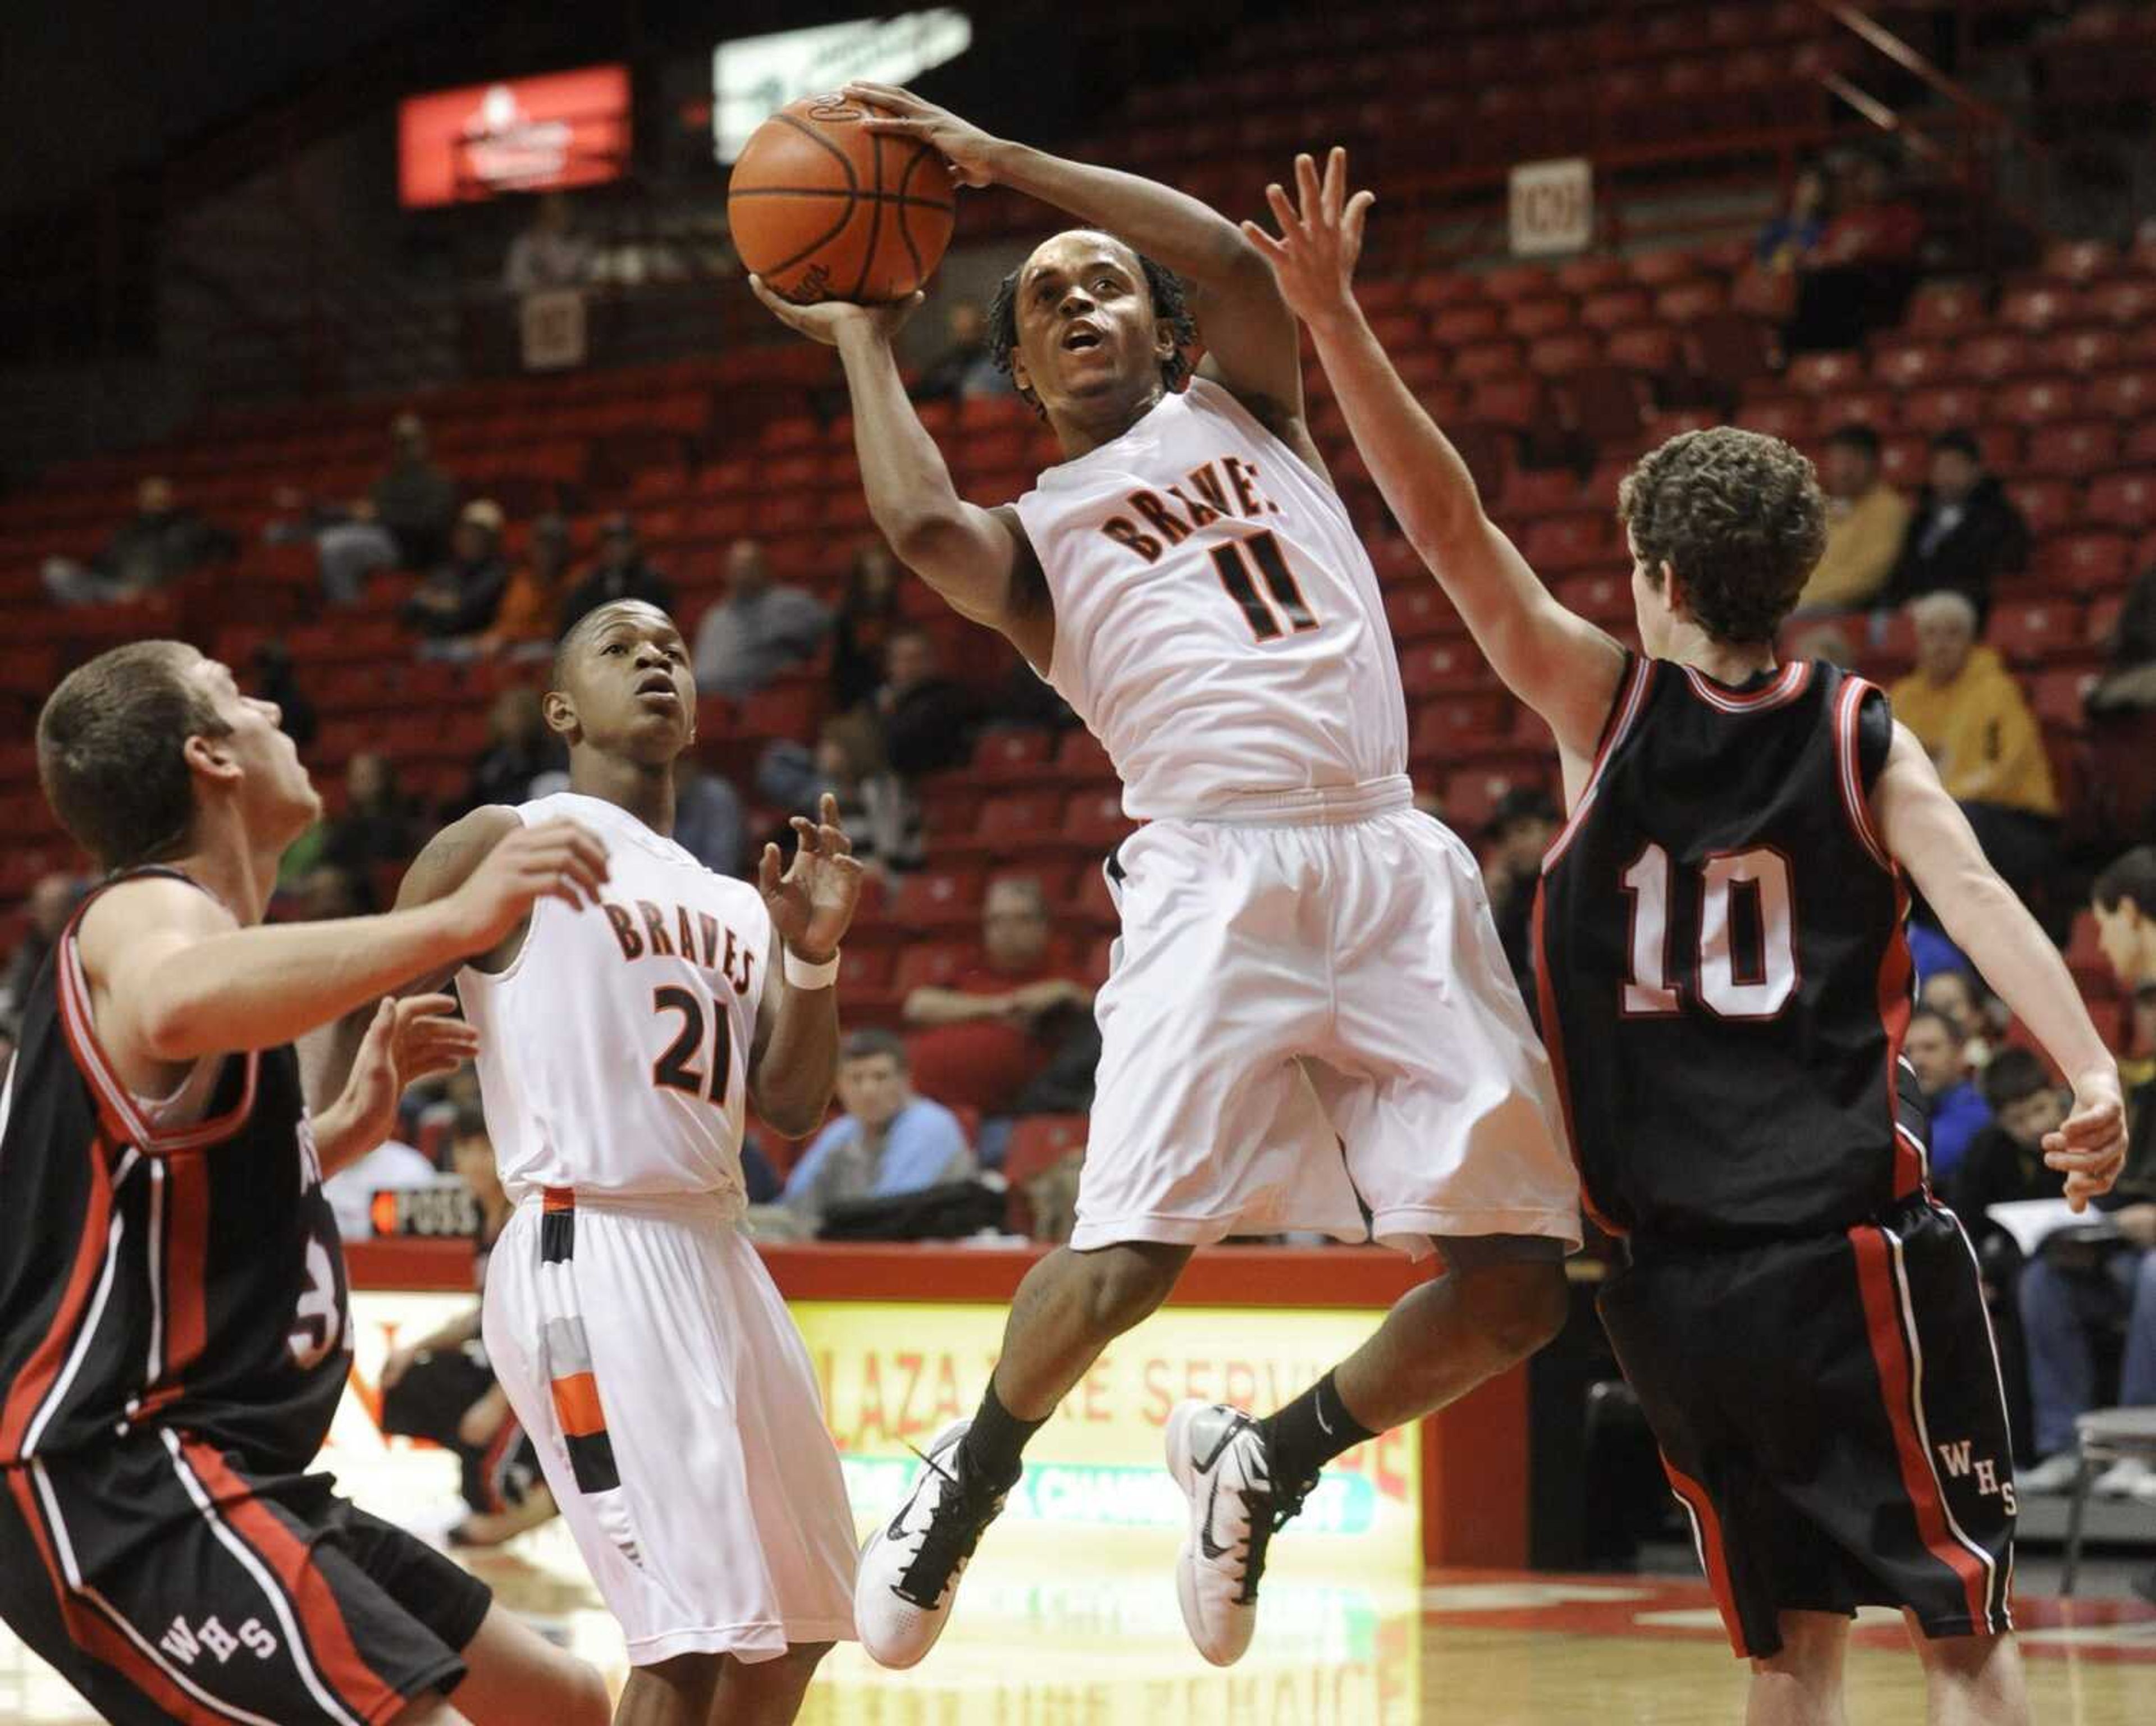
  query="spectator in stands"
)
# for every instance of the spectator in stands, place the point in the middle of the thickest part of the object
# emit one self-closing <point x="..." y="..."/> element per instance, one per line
<point x="623" y="572"/>
<point x="888" y="1142"/>
<point x="524" y="623"/>
<point x="928" y="719"/>
<point x="1969" y="714"/>
<point x="349" y="540"/>
<point x="1866" y="521"/>
<point x="157" y="546"/>
<point x="1786" y="243"/>
<point x="520" y="748"/>
<point x="967" y="367"/>
<point x="1955" y="1107"/>
<point x="461" y="597"/>
<point x="52" y="902"/>
<point x="2004" y="1162"/>
<point x="414" y="499"/>
<point x="1964" y="534"/>
<point x="708" y="822"/>
<point x="757" y="630"/>
<point x="1858" y="274"/>
<point x="379" y="825"/>
<point x="1519" y="830"/>
<point x="442" y="1387"/>
<point x="981" y="1041"/>
<point x="1958" y="997"/>
<point x="275" y="680"/>
<point x="550" y="253"/>
<point x="881" y="814"/>
<point x="860" y="628"/>
<point x="2128" y="682"/>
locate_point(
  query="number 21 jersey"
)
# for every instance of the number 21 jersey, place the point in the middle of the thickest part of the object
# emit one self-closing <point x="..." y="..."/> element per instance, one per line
<point x="614" y="1048"/>
<point x="1217" y="624"/>
<point x="1724" y="978"/>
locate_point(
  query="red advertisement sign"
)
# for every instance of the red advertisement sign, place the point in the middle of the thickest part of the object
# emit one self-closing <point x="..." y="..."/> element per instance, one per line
<point x="518" y="135"/>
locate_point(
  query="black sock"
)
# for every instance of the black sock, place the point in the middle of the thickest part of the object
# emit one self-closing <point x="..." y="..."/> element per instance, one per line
<point x="1309" y="1432"/>
<point x="994" y="1444"/>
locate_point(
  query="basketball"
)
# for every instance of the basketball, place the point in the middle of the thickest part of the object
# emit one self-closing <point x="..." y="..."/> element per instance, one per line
<point x="823" y="208"/>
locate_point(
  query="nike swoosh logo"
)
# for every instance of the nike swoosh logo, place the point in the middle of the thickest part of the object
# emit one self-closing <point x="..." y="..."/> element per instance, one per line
<point x="896" y="1531"/>
<point x="1211" y="1548"/>
<point x="1227" y="1437"/>
<point x="1318" y="1409"/>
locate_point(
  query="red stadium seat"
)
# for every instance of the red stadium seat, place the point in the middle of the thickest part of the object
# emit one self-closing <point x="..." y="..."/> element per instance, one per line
<point x="1909" y="364"/>
<point x="1481" y="360"/>
<point x="2037" y="311"/>
<point x="1988" y="357"/>
<point x="2092" y="563"/>
<point x="2057" y="699"/>
<point x="1659" y="270"/>
<point x="2127" y="394"/>
<point x="2079" y="260"/>
<point x="1037" y="1143"/>
<point x="1651" y="348"/>
<point x="1564" y="543"/>
<point x="2124" y="499"/>
<point x="1729" y="348"/>
<point x="2047" y="505"/>
<point x="2033" y="631"/>
<point x="1562" y="355"/>
<point x="1080" y="757"/>
<point x="1516" y="404"/>
<point x="2100" y="625"/>
<point x="2084" y="447"/>
<point x="1603" y="404"/>
<point x="1095" y="819"/>
<point x="1689" y="302"/>
<point x="1944" y="309"/>
<point x="1605" y="599"/>
<point x="1456" y="724"/>
<point x="1456" y="326"/>
<point x="2033" y="401"/>
<point x="1946" y="407"/>
<point x="2130" y="302"/>
<point x="1592" y="274"/>
<point x="934" y="898"/>
<point x="931" y="965"/>
<point x="1007" y="755"/>
<point x="1542" y="315"/>
<point x="1616" y="308"/>
<point x="2141" y="444"/>
<point x="1819" y="374"/>
<point x="1879" y="408"/>
<point x="1537" y="491"/>
<point x="1790" y="417"/>
<point x="1443" y="668"/>
<point x="2083" y="352"/>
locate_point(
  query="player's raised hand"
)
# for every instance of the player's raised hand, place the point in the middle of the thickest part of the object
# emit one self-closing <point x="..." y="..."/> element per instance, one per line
<point x="970" y="151"/>
<point x="2089" y="1148"/>
<point x="828" y="321"/>
<point x="406" y="1041"/>
<point x="555" y="859"/>
<point x="812" y="905"/>
<point x="1320" y="240"/>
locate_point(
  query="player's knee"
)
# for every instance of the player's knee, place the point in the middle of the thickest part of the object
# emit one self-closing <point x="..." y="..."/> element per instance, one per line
<point x="1523" y="1305"/>
<point x="1124" y="1283"/>
<point x="584" y="1700"/>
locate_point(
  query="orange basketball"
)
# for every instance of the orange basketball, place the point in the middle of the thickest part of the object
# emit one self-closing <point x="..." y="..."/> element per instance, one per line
<point x="823" y="209"/>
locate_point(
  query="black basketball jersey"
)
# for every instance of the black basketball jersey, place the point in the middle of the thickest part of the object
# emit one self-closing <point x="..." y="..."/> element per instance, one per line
<point x="1723" y="972"/>
<point x="189" y="1277"/>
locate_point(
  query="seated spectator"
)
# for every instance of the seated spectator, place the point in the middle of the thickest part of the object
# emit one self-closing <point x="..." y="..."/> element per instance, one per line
<point x="275" y="681"/>
<point x="981" y="1041"/>
<point x="523" y="625"/>
<point x="2004" y="1161"/>
<point x="52" y="902"/>
<point x="1857" y="276"/>
<point x="1956" y="996"/>
<point x="882" y="814"/>
<point x="1866" y="519"/>
<point x="157" y="546"/>
<point x="350" y="541"/>
<point x="416" y="500"/>
<point x="520" y="748"/>
<point x="380" y="824"/>
<point x="623" y="572"/>
<point x="888" y="1142"/>
<point x="1786" y="243"/>
<point x="968" y="366"/>
<point x="442" y="1387"/>
<point x="1964" y="534"/>
<point x="708" y="822"/>
<point x="461" y="596"/>
<point x="2128" y="682"/>
<point x="757" y="629"/>
<point x="1519" y="831"/>
<point x="1953" y="1107"/>
<point x="861" y="626"/>
<point x="1969" y="714"/>
<point x="928" y="719"/>
<point x="549" y="253"/>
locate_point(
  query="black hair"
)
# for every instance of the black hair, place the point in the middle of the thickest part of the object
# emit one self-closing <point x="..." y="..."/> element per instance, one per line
<point x="1855" y="436"/>
<point x="869" y="1045"/>
<point x="582" y="631"/>
<point x="2132" y="876"/>
<point x="2014" y="1074"/>
<point x="1923" y="1013"/>
<point x="1961" y="442"/>
<point x="1170" y="304"/>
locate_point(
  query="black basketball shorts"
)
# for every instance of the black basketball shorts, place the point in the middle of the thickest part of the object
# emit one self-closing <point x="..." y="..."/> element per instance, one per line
<point x="1830" y="1416"/>
<point x="166" y="1582"/>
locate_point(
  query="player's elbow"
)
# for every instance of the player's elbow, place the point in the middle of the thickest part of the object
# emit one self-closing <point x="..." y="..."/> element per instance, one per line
<point x="791" y="1112"/>
<point x="173" y="1024"/>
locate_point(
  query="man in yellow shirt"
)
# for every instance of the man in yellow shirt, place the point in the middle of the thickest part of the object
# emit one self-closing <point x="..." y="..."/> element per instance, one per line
<point x="1969" y="714"/>
<point x="1866" y="521"/>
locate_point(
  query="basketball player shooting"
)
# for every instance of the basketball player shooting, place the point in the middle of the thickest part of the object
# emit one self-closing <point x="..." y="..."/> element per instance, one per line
<point x="639" y="1338"/>
<point x="1725" y="982"/>
<point x="1306" y="961"/>
<point x="174" y="1335"/>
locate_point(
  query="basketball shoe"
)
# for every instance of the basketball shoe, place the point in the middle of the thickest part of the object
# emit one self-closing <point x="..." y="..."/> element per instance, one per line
<point x="909" y="1569"/>
<point x="1218" y="1456"/>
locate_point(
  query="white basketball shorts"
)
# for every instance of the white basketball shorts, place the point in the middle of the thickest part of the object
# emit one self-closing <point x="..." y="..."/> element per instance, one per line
<point x="1309" y="1013"/>
<point x="645" y="1349"/>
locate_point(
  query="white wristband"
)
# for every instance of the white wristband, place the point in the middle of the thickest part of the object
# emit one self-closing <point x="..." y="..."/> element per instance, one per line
<point x="801" y="975"/>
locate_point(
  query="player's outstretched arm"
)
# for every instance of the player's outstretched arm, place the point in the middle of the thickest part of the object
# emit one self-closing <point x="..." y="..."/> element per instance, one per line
<point x="796" y="1058"/>
<point x="978" y="560"/>
<point x="1925" y="831"/>
<point x="174" y="977"/>
<point x="1249" y="332"/>
<point x="1556" y="662"/>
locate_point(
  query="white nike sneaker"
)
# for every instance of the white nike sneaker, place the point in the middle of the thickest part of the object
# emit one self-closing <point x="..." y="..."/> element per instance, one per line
<point x="2056" y="1474"/>
<point x="2128" y="1477"/>
<point x="1217" y="1458"/>
<point x="909" y="1569"/>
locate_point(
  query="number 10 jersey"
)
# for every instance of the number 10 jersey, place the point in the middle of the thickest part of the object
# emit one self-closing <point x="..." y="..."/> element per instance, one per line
<point x="1217" y="624"/>
<point x="614" y="1047"/>
<point x="1723" y="974"/>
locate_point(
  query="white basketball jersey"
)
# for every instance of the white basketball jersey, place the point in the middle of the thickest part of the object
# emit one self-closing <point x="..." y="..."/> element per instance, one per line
<point x="614" y="1051"/>
<point x="1218" y="624"/>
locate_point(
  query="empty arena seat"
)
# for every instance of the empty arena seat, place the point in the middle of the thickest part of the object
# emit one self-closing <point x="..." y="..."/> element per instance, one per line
<point x="2128" y="301"/>
<point x="1818" y="374"/>
<point x="1012" y="755"/>
<point x="2125" y="393"/>
<point x="2083" y="352"/>
<point x="1095" y="819"/>
<point x="1456" y="326"/>
<point x="2124" y="499"/>
<point x="1944" y="407"/>
<point x="1443" y="667"/>
<point x="938" y="897"/>
<point x="2046" y="505"/>
<point x="1793" y="417"/>
<point x="2035" y="401"/>
<point x="1944" y="309"/>
<point x="1037" y="1143"/>
<point x="1561" y="544"/>
<point x="1908" y="363"/>
<point x="1991" y="354"/>
<point x="2081" y="447"/>
<point x="2078" y="261"/>
<point x="2090" y="562"/>
<point x="2034" y="630"/>
<point x="1560" y="356"/>
<point x="2038" y="310"/>
<point x="931" y="965"/>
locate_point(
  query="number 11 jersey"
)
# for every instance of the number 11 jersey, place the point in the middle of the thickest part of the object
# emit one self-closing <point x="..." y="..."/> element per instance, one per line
<point x="1217" y="624"/>
<point x="1724" y="976"/>
<point x="614" y="1047"/>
